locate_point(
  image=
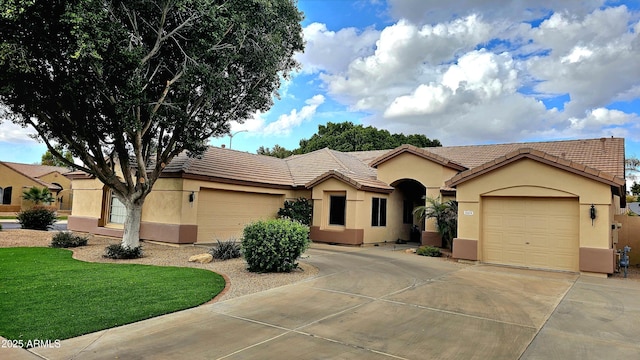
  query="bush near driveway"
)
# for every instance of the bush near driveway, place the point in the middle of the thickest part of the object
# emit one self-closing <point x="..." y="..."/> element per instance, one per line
<point x="46" y="294"/>
<point x="274" y="245"/>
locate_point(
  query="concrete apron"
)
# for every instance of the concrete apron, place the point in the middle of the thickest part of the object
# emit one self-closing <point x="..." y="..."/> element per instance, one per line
<point x="374" y="303"/>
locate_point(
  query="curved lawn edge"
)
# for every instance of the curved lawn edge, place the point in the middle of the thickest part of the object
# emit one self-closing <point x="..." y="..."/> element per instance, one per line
<point x="47" y="294"/>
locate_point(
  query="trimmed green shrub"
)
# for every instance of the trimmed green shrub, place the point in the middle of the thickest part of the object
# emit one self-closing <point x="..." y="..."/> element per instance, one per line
<point x="37" y="218"/>
<point x="429" y="251"/>
<point x="226" y="250"/>
<point x="65" y="239"/>
<point x="274" y="245"/>
<point x="0" y="227"/>
<point x="117" y="251"/>
<point x="299" y="210"/>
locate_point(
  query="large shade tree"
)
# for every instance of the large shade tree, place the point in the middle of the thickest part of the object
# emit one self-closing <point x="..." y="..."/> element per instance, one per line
<point x="128" y="85"/>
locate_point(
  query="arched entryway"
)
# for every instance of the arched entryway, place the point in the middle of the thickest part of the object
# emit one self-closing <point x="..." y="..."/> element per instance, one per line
<point x="408" y="194"/>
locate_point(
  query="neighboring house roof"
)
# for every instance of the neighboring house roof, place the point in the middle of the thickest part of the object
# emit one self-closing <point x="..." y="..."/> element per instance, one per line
<point x="34" y="172"/>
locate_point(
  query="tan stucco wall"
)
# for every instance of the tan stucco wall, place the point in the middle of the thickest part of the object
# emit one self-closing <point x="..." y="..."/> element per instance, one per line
<point x="18" y="182"/>
<point x="530" y="178"/>
<point x="409" y="166"/>
<point x="168" y="203"/>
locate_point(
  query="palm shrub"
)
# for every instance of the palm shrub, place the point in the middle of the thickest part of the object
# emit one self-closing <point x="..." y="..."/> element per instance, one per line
<point x="226" y="250"/>
<point x="445" y="214"/>
<point x="299" y="210"/>
<point x="38" y="196"/>
<point x="274" y="245"/>
<point x="37" y="218"/>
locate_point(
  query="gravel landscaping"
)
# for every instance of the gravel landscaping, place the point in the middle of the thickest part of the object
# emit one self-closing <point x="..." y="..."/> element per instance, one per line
<point x="239" y="281"/>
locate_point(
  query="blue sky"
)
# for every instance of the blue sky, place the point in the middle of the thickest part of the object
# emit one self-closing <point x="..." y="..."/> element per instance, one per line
<point x="461" y="71"/>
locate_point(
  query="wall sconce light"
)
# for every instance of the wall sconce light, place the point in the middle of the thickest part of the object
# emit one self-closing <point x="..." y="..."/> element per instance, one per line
<point x="192" y="196"/>
<point x="592" y="213"/>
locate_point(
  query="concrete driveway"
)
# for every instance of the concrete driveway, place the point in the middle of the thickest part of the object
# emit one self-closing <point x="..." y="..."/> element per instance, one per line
<point x="374" y="303"/>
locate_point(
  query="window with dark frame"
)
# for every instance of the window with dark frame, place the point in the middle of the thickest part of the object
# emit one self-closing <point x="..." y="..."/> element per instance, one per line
<point x="6" y="195"/>
<point x="337" y="209"/>
<point x="379" y="212"/>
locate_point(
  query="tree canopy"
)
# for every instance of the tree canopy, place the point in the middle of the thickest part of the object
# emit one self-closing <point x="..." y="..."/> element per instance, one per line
<point x="131" y="84"/>
<point x="49" y="159"/>
<point x="347" y="136"/>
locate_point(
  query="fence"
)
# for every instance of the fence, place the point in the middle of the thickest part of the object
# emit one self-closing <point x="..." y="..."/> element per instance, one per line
<point x="629" y="234"/>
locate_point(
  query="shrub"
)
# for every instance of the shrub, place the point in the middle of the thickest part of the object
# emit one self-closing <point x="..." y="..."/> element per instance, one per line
<point x="66" y="239"/>
<point x="37" y="218"/>
<point x="117" y="251"/>
<point x="0" y="227"/>
<point x="299" y="210"/>
<point x="274" y="245"/>
<point x="226" y="250"/>
<point x="429" y="251"/>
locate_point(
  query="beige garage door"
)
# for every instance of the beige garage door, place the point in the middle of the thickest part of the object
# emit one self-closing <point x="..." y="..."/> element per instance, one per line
<point x="223" y="214"/>
<point x="532" y="232"/>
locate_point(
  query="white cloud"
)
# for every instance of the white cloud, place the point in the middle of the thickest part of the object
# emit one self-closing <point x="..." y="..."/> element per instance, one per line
<point x="436" y="11"/>
<point x="332" y="51"/>
<point x="12" y="133"/>
<point x="594" y="59"/>
<point x="257" y="125"/>
<point x="479" y="73"/>
<point x="405" y="55"/>
<point x="287" y="122"/>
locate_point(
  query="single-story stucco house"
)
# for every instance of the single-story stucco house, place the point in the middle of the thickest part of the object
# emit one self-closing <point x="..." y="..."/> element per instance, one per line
<point x="16" y="178"/>
<point x="547" y="205"/>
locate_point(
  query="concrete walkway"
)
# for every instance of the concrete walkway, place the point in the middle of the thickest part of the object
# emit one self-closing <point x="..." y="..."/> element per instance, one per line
<point x="374" y="303"/>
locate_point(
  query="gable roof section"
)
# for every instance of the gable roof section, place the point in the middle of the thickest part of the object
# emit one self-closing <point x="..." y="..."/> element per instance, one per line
<point x="604" y="154"/>
<point x="307" y="167"/>
<point x="424" y="153"/>
<point x="352" y="179"/>
<point x="542" y="157"/>
<point x="34" y="172"/>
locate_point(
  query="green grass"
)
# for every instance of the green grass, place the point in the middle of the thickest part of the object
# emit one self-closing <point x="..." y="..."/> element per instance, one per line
<point x="47" y="295"/>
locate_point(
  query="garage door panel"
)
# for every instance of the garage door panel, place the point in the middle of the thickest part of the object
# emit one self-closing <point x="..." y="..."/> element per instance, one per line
<point x="223" y="214"/>
<point x="531" y="232"/>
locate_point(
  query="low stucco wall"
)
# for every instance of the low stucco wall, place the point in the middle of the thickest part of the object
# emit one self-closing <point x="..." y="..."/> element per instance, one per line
<point x="629" y="235"/>
<point x="169" y="233"/>
<point x="345" y="237"/>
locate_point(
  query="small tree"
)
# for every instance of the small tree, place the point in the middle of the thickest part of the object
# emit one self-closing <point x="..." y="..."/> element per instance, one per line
<point x="299" y="210"/>
<point x="127" y="86"/>
<point x="635" y="189"/>
<point x="38" y="196"/>
<point x="50" y="160"/>
<point x="445" y="214"/>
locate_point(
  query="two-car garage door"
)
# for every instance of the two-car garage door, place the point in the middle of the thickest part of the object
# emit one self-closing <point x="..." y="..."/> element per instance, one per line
<point x="531" y="232"/>
<point x="223" y="214"/>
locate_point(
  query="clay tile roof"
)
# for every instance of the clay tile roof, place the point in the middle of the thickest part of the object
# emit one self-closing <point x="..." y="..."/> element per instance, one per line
<point x="604" y="154"/>
<point x="237" y="166"/>
<point x="34" y="172"/>
<point x="307" y="167"/>
<point x="426" y="153"/>
<point x="543" y="157"/>
<point x="356" y="180"/>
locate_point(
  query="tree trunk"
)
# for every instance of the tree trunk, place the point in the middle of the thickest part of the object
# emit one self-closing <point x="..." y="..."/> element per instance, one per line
<point x="131" y="236"/>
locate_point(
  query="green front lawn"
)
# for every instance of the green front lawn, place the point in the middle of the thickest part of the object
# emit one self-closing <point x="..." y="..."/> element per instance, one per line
<point x="47" y="295"/>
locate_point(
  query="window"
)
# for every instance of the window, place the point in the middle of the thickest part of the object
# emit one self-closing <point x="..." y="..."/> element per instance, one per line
<point x="337" y="206"/>
<point x="117" y="211"/>
<point x="407" y="212"/>
<point x="6" y="196"/>
<point x="379" y="212"/>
